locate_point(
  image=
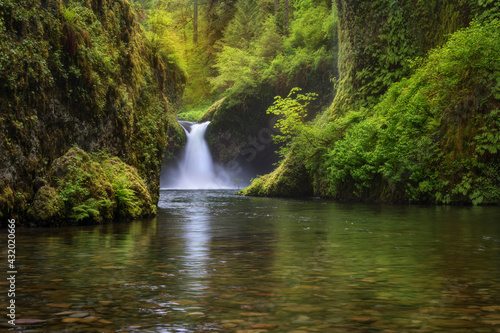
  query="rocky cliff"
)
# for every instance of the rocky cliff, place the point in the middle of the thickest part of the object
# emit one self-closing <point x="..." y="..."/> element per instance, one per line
<point x="80" y="74"/>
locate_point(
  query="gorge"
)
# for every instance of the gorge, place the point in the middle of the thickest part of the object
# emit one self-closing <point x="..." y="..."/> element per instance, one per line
<point x="368" y="133"/>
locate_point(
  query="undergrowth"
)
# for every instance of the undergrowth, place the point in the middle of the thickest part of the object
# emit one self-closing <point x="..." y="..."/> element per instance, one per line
<point x="433" y="137"/>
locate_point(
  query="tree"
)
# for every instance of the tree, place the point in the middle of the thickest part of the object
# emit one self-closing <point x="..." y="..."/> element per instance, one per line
<point x="195" y="22"/>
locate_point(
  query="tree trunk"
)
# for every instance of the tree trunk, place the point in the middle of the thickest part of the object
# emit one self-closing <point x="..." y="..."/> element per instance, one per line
<point x="286" y="16"/>
<point x="195" y="22"/>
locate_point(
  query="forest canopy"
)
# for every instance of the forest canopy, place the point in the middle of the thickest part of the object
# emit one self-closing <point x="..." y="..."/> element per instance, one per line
<point x="228" y="47"/>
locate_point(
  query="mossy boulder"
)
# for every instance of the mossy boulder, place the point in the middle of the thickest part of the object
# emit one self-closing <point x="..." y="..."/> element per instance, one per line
<point x="212" y="110"/>
<point x="90" y="188"/>
<point x="83" y="186"/>
<point x="47" y="207"/>
<point x="132" y="196"/>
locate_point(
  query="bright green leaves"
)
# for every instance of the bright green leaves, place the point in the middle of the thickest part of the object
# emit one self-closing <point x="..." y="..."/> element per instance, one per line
<point x="291" y="112"/>
<point x="245" y="25"/>
<point x="238" y="69"/>
<point x="256" y="50"/>
<point x="248" y="45"/>
<point x="488" y="10"/>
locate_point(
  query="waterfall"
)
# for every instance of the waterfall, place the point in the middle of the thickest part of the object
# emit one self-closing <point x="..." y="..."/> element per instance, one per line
<point x="196" y="169"/>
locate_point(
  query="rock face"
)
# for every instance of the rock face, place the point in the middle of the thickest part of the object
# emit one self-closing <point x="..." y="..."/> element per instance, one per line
<point x="80" y="74"/>
<point x="377" y="38"/>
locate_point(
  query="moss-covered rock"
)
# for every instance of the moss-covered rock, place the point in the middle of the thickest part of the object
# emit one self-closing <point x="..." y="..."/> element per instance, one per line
<point x="379" y="37"/>
<point x="6" y="200"/>
<point x="432" y="137"/>
<point x="90" y="188"/>
<point x="212" y="110"/>
<point x="84" y="187"/>
<point x="47" y="207"/>
<point x="290" y="179"/>
<point x="132" y="196"/>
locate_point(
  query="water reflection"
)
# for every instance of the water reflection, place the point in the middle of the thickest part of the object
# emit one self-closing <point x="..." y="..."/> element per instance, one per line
<point x="196" y="246"/>
<point x="215" y="262"/>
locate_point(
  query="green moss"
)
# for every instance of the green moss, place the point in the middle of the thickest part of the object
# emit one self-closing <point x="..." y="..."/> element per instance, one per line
<point x="432" y="138"/>
<point x="290" y="179"/>
<point x="90" y="188"/>
<point x="131" y="193"/>
<point x="378" y="38"/>
<point x="6" y="201"/>
<point x="47" y="207"/>
<point x="83" y="186"/>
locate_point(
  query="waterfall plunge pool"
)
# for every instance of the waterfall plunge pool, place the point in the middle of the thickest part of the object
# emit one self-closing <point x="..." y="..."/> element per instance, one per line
<point x="212" y="261"/>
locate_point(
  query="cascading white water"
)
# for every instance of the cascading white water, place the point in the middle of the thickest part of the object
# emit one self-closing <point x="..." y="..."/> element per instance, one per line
<point x="196" y="169"/>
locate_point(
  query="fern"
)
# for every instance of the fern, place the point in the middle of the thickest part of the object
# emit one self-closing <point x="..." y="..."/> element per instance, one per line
<point x="125" y="196"/>
<point x="90" y="209"/>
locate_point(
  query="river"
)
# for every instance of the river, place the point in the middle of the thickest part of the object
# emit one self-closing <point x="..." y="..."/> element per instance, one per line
<point x="212" y="261"/>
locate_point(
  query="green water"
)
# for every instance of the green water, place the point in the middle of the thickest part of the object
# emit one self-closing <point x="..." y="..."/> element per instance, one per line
<point x="212" y="261"/>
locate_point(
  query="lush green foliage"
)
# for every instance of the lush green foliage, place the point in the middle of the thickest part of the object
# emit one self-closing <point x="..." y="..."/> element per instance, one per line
<point x="265" y="53"/>
<point x="291" y="112"/>
<point x="195" y="113"/>
<point x="433" y="137"/>
<point x="380" y="40"/>
<point x="91" y="188"/>
<point x="171" y="27"/>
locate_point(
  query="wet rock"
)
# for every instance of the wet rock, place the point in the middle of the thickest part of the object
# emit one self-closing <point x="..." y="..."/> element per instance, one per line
<point x="59" y="305"/>
<point x="491" y="308"/>
<point x="89" y="319"/>
<point x="263" y="326"/>
<point x="28" y="321"/>
<point x="47" y="205"/>
<point x="362" y="319"/>
<point x="79" y="315"/>
<point x="64" y="313"/>
<point x="38" y="183"/>
<point x="253" y="314"/>
<point x="70" y="320"/>
<point x="302" y="319"/>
